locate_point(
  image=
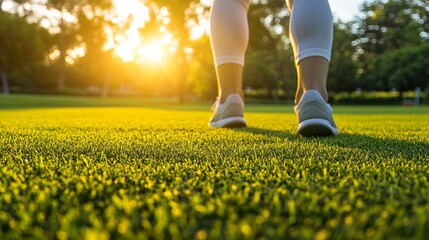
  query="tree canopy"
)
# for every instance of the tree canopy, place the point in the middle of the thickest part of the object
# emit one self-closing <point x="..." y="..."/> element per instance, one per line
<point x="22" y="50"/>
<point x="62" y="46"/>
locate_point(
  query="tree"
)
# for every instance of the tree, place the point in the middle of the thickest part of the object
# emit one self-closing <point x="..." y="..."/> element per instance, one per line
<point x="17" y="53"/>
<point x="343" y="71"/>
<point x="202" y="74"/>
<point x="181" y="13"/>
<point x="387" y="26"/>
<point x="405" y="69"/>
<point x="93" y="36"/>
<point x="270" y="62"/>
<point x="68" y="36"/>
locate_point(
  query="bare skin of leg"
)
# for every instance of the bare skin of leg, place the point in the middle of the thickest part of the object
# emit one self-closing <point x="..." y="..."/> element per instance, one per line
<point x="230" y="80"/>
<point x="312" y="75"/>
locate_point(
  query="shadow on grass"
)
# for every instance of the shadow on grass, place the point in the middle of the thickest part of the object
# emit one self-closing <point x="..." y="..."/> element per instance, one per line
<point x="269" y="133"/>
<point x="387" y="147"/>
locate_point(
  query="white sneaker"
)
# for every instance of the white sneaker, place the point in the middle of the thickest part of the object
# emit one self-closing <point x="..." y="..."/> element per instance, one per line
<point x="315" y="116"/>
<point x="229" y="114"/>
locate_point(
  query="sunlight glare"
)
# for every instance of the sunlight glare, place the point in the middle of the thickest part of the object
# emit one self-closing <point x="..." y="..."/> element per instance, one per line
<point x="130" y="45"/>
<point x="153" y="52"/>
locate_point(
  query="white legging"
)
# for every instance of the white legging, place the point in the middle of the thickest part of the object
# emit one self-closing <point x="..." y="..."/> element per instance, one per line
<point x="311" y="29"/>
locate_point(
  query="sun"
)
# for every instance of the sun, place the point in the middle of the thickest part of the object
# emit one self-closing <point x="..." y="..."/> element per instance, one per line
<point x="153" y="52"/>
<point x="129" y="45"/>
<point x="131" y="50"/>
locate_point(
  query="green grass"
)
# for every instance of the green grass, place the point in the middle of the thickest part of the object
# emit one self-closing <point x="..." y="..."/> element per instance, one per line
<point x="156" y="171"/>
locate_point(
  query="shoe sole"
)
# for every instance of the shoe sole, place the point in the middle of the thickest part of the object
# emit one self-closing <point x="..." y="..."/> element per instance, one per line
<point x="232" y="122"/>
<point x="316" y="127"/>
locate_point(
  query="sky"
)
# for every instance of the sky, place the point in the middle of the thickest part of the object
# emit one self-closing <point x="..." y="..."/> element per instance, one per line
<point x="346" y="10"/>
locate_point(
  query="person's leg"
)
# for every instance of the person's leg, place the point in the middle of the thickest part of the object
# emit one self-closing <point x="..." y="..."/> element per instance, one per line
<point x="312" y="75"/>
<point x="311" y="31"/>
<point x="230" y="80"/>
<point x="229" y="38"/>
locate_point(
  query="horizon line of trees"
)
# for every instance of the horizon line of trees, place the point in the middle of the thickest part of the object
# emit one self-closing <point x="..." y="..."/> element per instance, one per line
<point x="59" y="46"/>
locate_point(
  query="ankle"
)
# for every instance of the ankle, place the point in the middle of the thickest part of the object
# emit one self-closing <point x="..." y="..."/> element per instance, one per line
<point x="322" y="91"/>
<point x="298" y="95"/>
<point x="224" y="95"/>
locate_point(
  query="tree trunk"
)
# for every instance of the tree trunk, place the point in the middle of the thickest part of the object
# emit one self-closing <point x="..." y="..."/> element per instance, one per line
<point x="61" y="77"/>
<point x="183" y="68"/>
<point x="275" y="93"/>
<point x="401" y="96"/>
<point x="279" y="74"/>
<point x="61" y="48"/>
<point x="5" y="82"/>
<point x="106" y="87"/>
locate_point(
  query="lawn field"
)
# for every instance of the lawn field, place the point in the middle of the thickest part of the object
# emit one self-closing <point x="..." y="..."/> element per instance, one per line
<point x="97" y="169"/>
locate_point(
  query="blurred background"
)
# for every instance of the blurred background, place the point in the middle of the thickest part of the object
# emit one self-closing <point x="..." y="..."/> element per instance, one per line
<point x="161" y="49"/>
